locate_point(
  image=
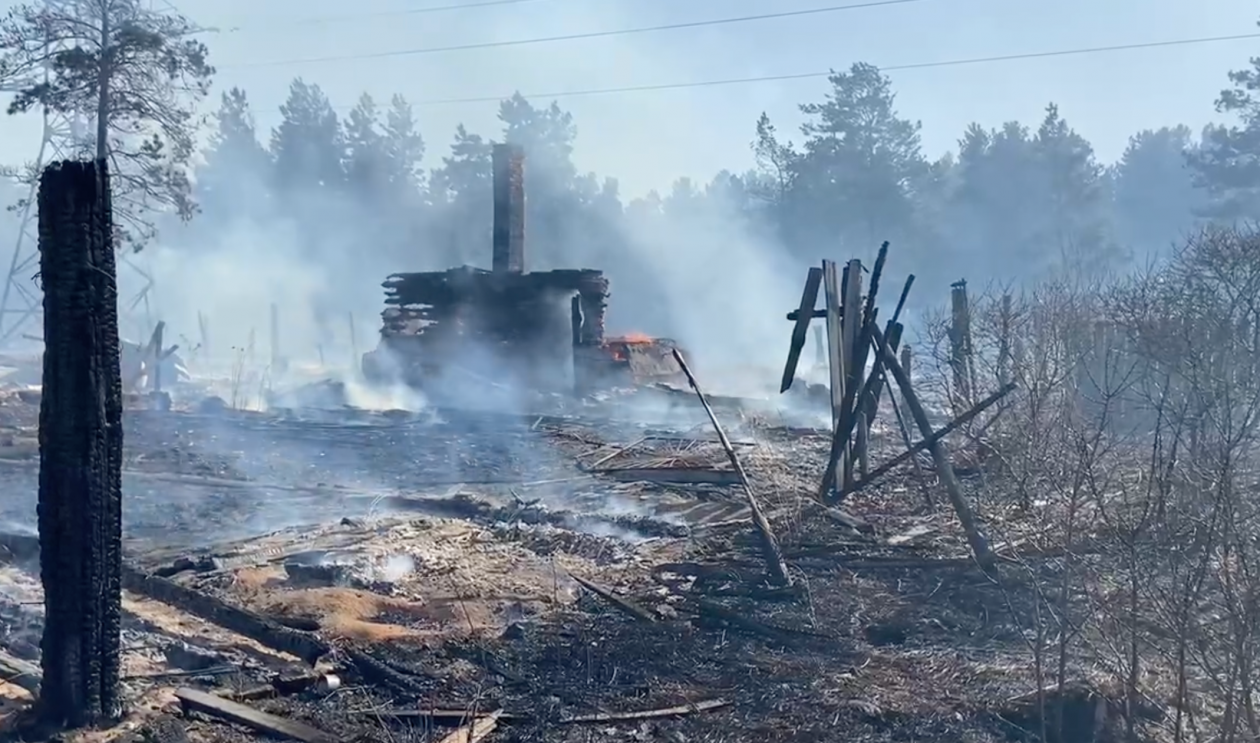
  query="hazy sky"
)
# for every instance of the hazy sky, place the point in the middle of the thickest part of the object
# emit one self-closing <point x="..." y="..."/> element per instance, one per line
<point x="647" y="139"/>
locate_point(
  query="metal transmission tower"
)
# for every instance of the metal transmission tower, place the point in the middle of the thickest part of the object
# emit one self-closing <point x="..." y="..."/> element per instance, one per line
<point x="63" y="137"/>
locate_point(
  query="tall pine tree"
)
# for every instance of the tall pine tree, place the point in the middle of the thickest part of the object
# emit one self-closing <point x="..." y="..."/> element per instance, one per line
<point x="234" y="178"/>
<point x="1228" y="163"/>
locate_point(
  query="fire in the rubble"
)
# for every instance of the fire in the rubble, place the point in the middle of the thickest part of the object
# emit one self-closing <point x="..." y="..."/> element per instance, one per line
<point x="619" y="347"/>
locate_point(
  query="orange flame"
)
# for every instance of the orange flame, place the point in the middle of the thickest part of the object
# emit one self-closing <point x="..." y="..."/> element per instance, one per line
<point x="634" y="338"/>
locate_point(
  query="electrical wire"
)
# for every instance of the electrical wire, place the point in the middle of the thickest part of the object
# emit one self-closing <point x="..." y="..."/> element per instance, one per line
<point x="344" y="17"/>
<point x="807" y="75"/>
<point x="575" y="37"/>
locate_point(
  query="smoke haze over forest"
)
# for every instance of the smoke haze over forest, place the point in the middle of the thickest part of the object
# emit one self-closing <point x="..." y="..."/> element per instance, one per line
<point x="703" y="216"/>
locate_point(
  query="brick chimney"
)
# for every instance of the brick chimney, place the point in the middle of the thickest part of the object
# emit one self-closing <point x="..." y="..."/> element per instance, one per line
<point x="509" y="209"/>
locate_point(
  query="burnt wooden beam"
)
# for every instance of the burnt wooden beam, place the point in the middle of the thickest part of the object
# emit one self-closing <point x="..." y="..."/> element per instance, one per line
<point x="944" y="468"/>
<point x="795" y="315"/>
<point x="771" y="552"/>
<point x="802" y="316"/>
<point x="257" y="720"/>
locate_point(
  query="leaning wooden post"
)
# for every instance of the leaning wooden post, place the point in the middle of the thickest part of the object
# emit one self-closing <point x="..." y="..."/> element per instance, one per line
<point x="769" y="544"/>
<point x="836" y="350"/>
<point x="944" y="469"/>
<point x="80" y="451"/>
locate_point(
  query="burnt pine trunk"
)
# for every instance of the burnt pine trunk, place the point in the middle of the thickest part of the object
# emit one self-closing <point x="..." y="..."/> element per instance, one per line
<point x="80" y="448"/>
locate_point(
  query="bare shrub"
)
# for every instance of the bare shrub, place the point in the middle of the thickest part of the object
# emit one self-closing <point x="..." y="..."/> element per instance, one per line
<point x="1129" y="455"/>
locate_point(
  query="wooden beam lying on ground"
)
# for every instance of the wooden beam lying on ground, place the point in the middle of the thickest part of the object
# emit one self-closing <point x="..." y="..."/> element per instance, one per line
<point x="625" y="606"/>
<point x="19" y="673"/>
<point x="304" y="645"/>
<point x="475" y="731"/>
<point x="240" y="714"/>
<point x="674" y="475"/>
<point x="650" y="714"/>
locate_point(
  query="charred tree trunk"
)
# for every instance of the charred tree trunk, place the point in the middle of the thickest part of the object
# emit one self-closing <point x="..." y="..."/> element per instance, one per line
<point x="80" y="448"/>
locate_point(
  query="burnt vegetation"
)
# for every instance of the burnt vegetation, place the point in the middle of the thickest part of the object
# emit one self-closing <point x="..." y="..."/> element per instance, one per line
<point x="1032" y="519"/>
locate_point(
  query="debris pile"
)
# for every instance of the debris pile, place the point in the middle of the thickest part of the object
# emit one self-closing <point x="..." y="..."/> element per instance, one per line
<point x="547" y="326"/>
<point x="459" y="575"/>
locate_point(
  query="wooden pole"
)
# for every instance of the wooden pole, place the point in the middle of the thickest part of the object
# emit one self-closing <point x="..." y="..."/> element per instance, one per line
<point x="80" y="449"/>
<point x="960" y="341"/>
<point x="204" y="328"/>
<point x="275" y="338"/>
<point x="835" y="352"/>
<point x="773" y="556"/>
<point x="354" y="342"/>
<point x="863" y="438"/>
<point x="155" y="357"/>
<point x="854" y="358"/>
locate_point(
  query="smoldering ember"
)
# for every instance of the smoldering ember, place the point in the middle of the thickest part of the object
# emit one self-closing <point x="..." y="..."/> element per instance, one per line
<point x="1029" y="528"/>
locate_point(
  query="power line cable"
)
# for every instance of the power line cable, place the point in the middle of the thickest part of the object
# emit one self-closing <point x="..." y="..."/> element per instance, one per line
<point x="575" y="37"/>
<point x="807" y="75"/>
<point x="344" y="17"/>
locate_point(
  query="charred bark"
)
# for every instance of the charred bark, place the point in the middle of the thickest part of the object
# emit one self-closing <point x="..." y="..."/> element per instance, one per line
<point x="80" y="448"/>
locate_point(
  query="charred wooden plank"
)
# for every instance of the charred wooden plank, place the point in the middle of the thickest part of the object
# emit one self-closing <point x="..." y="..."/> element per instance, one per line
<point x="809" y="297"/>
<point x="623" y="605"/>
<point x="19" y="673"/>
<point x="944" y="469"/>
<point x="241" y="714"/>
<point x="477" y="730"/>
<point x="213" y="609"/>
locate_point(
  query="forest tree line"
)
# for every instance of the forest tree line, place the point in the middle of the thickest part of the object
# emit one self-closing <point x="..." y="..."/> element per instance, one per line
<point x="1014" y="199"/>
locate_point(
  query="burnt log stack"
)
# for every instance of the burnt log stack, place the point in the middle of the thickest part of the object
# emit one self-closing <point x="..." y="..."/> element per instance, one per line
<point x="80" y="447"/>
<point x="438" y="320"/>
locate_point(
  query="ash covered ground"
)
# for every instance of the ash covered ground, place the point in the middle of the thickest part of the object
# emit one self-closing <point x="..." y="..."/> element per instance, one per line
<point x="391" y="575"/>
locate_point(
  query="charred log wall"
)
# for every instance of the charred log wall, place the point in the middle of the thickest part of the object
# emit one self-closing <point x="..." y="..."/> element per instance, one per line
<point x="525" y="318"/>
<point x="80" y="447"/>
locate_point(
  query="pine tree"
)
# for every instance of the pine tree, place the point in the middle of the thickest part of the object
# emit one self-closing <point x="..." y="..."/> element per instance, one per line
<point x="1228" y="162"/>
<point x="233" y="180"/>
<point x="860" y="162"/>
<point x="1153" y="190"/>
<point x="308" y="147"/>
<point x="138" y="73"/>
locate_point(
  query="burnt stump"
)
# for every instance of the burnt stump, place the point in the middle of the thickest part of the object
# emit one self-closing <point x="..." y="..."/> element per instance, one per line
<point x="80" y="449"/>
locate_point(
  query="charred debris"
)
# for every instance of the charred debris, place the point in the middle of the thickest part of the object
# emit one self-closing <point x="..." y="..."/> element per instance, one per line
<point x="546" y="326"/>
<point x="492" y="576"/>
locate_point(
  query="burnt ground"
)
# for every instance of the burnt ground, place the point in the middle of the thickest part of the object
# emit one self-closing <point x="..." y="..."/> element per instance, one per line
<point x="381" y="576"/>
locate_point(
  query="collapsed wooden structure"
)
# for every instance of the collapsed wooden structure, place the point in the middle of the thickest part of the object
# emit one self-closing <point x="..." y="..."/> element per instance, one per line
<point x="854" y="338"/>
<point x="547" y="326"/>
